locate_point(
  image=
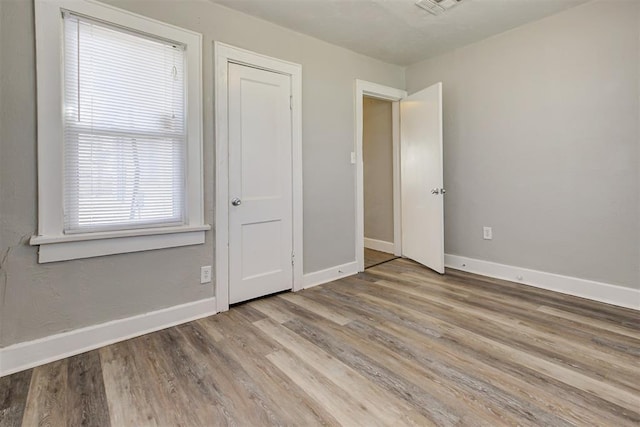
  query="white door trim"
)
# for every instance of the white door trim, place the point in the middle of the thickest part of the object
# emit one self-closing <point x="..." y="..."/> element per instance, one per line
<point x="390" y="94"/>
<point x="224" y="54"/>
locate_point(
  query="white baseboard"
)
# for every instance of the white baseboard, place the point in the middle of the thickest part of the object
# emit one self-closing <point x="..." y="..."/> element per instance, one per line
<point x="603" y="292"/>
<point x="29" y="354"/>
<point x="328" y="275"/>
<point x="378" y="245"/>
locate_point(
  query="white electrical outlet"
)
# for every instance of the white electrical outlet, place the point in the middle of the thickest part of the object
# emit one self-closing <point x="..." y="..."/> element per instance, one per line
<point x="205" y="274"/>
<point x="487" y="233"/>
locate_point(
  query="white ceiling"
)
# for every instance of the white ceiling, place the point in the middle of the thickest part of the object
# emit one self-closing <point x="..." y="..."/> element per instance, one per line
<point x="397" y="31"/>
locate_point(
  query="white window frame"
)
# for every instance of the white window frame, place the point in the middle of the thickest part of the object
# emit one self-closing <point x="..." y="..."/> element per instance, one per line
<point x="54" y="244"/>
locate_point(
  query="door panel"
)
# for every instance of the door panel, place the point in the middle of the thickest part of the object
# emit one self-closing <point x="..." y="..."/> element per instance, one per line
<point x="421" y="175"/>
<point x="260" y="172"/>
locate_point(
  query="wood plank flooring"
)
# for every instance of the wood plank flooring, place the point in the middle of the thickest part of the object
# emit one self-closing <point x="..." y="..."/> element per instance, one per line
<point x="373" y="257"/>
<point x="396" y="345"/>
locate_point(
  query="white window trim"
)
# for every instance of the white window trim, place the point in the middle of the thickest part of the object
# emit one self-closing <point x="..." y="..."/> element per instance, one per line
<point x="54" y="244"/>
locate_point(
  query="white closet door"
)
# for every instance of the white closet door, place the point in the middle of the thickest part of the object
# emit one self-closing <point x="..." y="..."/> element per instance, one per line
<point x="260" y="183"/>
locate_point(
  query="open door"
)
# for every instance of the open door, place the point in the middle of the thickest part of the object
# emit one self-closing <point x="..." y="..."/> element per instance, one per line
<point x="421" y="177"/>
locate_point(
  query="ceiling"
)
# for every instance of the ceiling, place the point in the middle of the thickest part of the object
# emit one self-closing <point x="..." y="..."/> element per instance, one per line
<point x="397" y="31"/>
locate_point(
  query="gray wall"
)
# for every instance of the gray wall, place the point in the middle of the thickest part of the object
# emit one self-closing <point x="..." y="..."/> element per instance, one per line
<point x="377" y="155"/>
<point x="39" y="300"/>
<point x="542" y="143"/>
<point x="3" y="36"/>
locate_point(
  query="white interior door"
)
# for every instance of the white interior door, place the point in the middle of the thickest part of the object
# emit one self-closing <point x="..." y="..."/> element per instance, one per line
<point x="260" y="184"/>
<point x="421" y="177"/>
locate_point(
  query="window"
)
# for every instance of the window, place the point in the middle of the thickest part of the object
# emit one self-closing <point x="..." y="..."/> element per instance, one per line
<point x="120" y="165"/>
<point x="124" y="128"/>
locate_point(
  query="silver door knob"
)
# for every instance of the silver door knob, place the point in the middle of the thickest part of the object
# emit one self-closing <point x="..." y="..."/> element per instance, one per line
<point x="435" y="191"/>
<point x="236" y="202"/>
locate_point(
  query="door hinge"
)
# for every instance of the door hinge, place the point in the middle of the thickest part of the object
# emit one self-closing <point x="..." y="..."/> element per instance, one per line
<point x="291" y="102"/>
<point x="293" y="258"/>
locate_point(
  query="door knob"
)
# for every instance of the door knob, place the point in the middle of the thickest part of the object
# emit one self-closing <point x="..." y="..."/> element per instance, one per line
<point x="435" y="191"/>
<point x="236" y="202"/>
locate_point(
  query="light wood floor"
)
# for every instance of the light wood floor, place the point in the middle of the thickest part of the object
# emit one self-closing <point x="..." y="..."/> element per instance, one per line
<point x="396" y="345"/>
<point x="373" y="257"/>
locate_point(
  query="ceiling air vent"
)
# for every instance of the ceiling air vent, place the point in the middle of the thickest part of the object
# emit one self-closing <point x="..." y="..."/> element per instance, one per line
<point x="436" y="7"/>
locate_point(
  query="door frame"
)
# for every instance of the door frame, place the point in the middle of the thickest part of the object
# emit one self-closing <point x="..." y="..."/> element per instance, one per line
<point x="364" y="88"/>
<point x="223" y="55"/>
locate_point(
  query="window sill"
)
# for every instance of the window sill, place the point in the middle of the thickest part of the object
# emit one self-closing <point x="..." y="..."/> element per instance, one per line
<point x="76" y="246"/>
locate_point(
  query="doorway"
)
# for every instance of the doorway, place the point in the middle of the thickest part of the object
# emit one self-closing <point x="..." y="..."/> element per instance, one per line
<point x="378" y="175"/>
<point x="258" y="247"/>
<point x="417" y="160"/>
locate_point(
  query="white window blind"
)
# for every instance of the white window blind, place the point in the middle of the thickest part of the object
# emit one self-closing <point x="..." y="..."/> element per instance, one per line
<point x="124" y="128"/>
